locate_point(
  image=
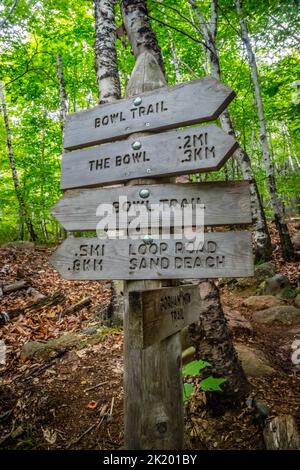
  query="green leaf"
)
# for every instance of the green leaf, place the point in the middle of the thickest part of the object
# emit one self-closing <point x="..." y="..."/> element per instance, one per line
<point x="188" y="389"/>
<point x="194" y="367"/>
<point x="212" y="384"/>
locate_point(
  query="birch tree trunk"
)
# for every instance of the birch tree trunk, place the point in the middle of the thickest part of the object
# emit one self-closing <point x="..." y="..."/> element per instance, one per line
<point x="63" y="108"/>
<point x="152" y="377"/>
<point x="109" y="90"/>
<point x="105" y="51"/>
<point x="285" y="240"/>
<point x="62" y="91"/>
<point x="175" y="59"/>
<point x="212" y="330"/>
<point x="141" y="36"/>
<point x="212" y="340"/>
<point x="263" y="250"/>
<point x="22" y="208"/>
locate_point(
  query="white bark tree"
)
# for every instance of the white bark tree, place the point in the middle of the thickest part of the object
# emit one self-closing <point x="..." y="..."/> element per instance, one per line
<point x="105" y="51"/>
<point x="285" y="239"/>
<point x="153" y="420"/>
<point x="24" y="216"/>
<point x="261" y="234"/>
<point x="62" y="91"/>
<point x="175" y="58"/>
<point x="109" y="90"/>
<point x="141" y="36"/>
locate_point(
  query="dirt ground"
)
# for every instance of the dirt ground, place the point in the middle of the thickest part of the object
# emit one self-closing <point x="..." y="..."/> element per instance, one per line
<point x="73" y="399"/>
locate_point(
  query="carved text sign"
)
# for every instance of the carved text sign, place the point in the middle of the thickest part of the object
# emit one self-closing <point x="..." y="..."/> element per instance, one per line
<point x="226" y="254"/>
<point x="192" y="150"/>
<point x="165" y="108"/>
<point x="223" y="203"/>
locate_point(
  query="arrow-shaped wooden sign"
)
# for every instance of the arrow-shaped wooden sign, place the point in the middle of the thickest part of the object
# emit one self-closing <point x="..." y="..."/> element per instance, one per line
<point x="165" y="108"/>
<point x="226" y="254"/>
<point x="224" y="203"/>
<point x="193" y="150"/>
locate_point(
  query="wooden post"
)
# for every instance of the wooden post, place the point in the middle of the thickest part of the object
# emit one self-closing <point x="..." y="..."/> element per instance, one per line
<point x="153" y="408"/>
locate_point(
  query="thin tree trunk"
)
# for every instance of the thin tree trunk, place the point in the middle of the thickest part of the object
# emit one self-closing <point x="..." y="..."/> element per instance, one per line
<point x="261" y="233"/>
<point x="263" y="247"/>
<point x="175" y="59"/>
<point x="22" y="208"/>
<point x="8" y="15"/>
<point x="42" y="180"/>
<point x="62" y="91"/>
<point x="63" y="109"/>
<point x="285" y="239"/>
<point x="291" y="150"/>
<point x="105" y="51"/>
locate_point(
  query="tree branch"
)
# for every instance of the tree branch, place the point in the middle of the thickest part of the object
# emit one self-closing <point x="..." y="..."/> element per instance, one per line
<point x="179" y="31"/>
<point x="200" y="17"/>
<point x="228" y="21"/>
<point x="180" y="14"/>
<point x="9" y="14"/>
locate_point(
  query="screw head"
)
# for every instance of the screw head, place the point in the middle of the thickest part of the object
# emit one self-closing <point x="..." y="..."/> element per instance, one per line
<point x="136" y="145"/>
<point x="148" y="170"/>
<point x="137" y="101"/>
<point x="144" y="193"/>
<point x="148" y="239"/>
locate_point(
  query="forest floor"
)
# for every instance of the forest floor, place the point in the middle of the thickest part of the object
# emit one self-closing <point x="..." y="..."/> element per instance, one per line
<point x="73" y="398"/>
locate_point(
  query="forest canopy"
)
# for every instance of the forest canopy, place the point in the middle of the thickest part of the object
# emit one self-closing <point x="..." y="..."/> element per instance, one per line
<point x="40" y="40"/>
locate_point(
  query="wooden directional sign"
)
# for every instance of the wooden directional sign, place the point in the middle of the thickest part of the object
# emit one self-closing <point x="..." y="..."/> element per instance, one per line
<point x="165" y="108"/>
<point x="224" y="203"/>
<point x="226" y="254"/>
<point x="165" y="311"/>
<point x="192" y="150"/>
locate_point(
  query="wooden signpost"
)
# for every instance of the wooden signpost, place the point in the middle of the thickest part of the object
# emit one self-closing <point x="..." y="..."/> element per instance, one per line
<point x="153" y="409"/>
<point x="224" y="203"/>
<point x="179" y="152"/>
<point x="224" y="254"/>
<point x="165" y="108"/>
<point x="164" y="311"/>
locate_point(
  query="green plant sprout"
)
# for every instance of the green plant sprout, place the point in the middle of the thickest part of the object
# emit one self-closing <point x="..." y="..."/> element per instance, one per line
<point x="210" y="384"/>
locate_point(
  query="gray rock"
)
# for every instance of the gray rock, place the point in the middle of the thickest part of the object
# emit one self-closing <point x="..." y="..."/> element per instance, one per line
<point x="264" y="271"/>
<point x="262" y="408"/>
<point x="297" y="300"/>
<point x="250" y="285"/>
<point x="296" y="241"/>
<point x="278" y="285"/>
<point x="260" y="302"/>
<point x="89" y="330"/>
<point x="280" y="315"/>
<point x="254" y="363"/>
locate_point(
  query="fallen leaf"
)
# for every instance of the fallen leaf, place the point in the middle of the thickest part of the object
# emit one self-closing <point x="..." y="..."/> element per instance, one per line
<point x="92" y="405"/>
<point x="49" y="435"/>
